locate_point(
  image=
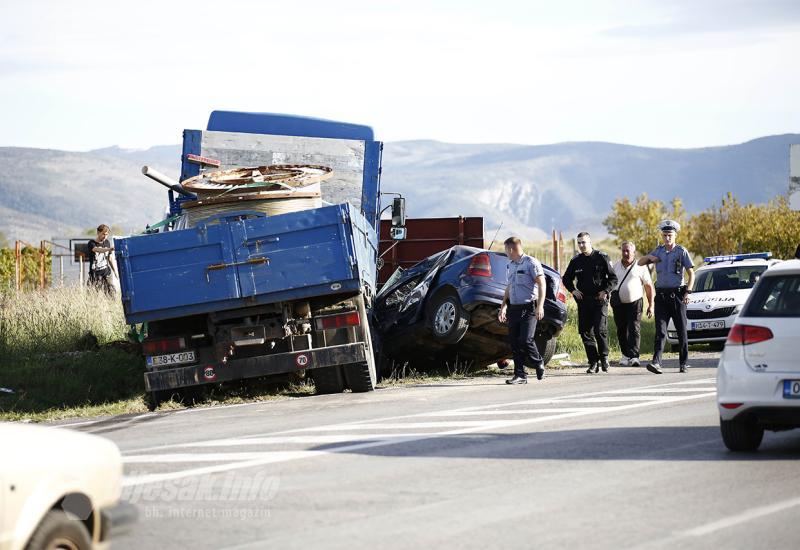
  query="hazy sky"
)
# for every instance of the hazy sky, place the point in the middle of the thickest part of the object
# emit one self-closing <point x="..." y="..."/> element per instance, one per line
<point x="80" y="75"/>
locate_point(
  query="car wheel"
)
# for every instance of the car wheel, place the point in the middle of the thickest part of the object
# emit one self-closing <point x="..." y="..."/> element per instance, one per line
<point x="58" y="531"/>
<point x="547" y="348"/>
<point x="448" y="321"/>
<point x="739" y="435"/>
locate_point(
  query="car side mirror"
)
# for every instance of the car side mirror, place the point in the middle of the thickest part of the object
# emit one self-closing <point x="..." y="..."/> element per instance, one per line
<point x="398" y="212"/>
<point x="398" y="233"/>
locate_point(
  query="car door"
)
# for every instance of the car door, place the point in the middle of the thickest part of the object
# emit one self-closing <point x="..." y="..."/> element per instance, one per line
<point x="413" y="306"/>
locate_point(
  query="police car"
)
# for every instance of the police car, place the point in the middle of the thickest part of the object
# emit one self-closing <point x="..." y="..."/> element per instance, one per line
<point x="721" y="287"/>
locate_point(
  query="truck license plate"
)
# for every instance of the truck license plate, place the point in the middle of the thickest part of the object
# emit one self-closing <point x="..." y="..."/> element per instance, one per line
<point x="707" y="325"/>
<point x="791" y="389"/>
<point x="171" y="359"/>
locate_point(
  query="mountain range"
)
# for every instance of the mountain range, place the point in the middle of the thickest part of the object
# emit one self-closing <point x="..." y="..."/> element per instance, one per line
<point x="530" y="189"/>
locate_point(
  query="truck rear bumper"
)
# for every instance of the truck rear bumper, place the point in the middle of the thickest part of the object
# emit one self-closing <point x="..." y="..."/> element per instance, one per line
<point x="252" y="367"/>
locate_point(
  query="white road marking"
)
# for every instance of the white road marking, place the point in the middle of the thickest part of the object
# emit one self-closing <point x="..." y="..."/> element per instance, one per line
<point x="744" y="517"/>
<point x="669" y="390"/>
<point x="271" y="458"/>
<point x="312" y="439"/>
<point x="514" y="411"/>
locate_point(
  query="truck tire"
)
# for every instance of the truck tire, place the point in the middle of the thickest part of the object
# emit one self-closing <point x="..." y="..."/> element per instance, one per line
<point x="360" y="378"/>
<point x="57" y="530"/>
<point x="154" y="398"/>
<point x="447" y="320"/>
<point x="546" y="346"/>
<point x="328" y="380"/>
<point x="740" y="435"/>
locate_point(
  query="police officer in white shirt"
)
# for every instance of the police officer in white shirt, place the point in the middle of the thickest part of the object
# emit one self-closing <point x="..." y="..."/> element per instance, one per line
<point x="634" y="285"/>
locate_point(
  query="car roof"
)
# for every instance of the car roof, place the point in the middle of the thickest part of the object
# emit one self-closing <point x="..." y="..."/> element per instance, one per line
<point x="788" y="267"/>
<point x="734" y="263"/>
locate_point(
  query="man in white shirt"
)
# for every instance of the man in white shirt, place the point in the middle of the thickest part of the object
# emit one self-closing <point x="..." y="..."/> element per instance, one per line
<point x="633" y="286"/>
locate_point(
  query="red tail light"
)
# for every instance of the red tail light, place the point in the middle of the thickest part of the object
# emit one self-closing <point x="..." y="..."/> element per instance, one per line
<point x="748" y="334"/>
<point x="562" y="293"/>
<point x="165" y="345"/>
<point x="340" y="320"/>
<point x="480" y="266"/>
<point x="731" y="405"/>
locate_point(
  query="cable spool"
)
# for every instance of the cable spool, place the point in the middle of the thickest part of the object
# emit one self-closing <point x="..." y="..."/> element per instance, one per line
<point x="273" y="190"/>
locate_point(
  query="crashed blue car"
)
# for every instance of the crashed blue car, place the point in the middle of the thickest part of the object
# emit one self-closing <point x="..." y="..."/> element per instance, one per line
<point x="447" y="304"/>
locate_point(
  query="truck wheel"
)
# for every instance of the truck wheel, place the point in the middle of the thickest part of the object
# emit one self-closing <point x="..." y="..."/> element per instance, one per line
<point x="328" y="380"/>
<point x="741" y="436"/>
<point x="448" y="321"/>
<point x="57" y="530"/>
<point x="362" y="377"/>
<point x="546" y="347"/>
<point x="154" y="398"/>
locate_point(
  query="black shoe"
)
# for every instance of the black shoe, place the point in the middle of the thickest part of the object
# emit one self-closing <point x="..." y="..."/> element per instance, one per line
<point x="655" y="368"/>
<point x="604" y="364"/>
<point x="594" y="368"/>
<point x="539" y="373"/>
<point x="683" y="368"/>
<point x="517" y="380"/>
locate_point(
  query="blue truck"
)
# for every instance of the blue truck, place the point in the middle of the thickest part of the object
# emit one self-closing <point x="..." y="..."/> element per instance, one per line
<point x="242" y="294"/>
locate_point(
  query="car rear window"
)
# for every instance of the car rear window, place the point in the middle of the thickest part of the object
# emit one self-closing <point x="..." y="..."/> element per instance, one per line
<point x="776" y="296"/>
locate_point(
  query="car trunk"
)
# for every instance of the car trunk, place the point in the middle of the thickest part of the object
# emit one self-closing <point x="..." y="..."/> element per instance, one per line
<point x="777" y="354"/>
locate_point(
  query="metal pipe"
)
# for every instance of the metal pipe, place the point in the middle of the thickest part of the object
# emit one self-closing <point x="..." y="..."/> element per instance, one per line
<point x="166" y="181"/>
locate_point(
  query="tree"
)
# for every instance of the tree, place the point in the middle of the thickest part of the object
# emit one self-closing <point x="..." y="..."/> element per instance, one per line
<point x="733" y="228"/>
<point x="638" y="221"/>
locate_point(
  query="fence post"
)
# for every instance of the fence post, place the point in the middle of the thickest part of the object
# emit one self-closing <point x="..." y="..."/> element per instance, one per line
<point x="80" y="274"/>
<point x="18" y="265"/>
<point x="42" y="278"/>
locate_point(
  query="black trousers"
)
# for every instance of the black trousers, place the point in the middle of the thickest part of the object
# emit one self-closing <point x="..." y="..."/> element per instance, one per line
<point x="628" y="318"/>
<point x="669" y="305"/>
<point x="593" y="328"/>
<point x="521" y="330"/>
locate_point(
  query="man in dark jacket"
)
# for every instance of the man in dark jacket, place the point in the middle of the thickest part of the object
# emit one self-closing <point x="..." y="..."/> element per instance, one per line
<point x="595" y="278"/>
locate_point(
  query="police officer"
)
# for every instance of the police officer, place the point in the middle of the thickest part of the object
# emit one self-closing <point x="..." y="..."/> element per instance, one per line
<point x="595" y="279"/>
<point x="672" y="295"/>
<point x="522" y="307"/>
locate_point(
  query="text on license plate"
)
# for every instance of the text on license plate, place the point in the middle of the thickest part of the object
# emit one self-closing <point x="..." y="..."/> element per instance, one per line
<point x="706" y="325"/>
<point x="791" y="389"/>
<point x="171" y="359"/>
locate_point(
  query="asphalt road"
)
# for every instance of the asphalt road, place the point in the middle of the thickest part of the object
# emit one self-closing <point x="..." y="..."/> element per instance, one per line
<point x="622" y="460"/>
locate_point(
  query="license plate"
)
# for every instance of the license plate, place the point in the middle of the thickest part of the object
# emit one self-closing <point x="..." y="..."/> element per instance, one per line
<point x="171" y="359"/>
<point x="791" y="389"/>
<point x="707" y="325"/>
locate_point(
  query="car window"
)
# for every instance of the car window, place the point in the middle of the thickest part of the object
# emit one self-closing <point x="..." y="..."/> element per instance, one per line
<point x="728" y="278"/>
<point x="777" y="296"/>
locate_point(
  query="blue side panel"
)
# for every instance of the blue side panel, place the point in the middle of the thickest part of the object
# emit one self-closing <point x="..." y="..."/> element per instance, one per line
<point x="371" y="187"/>
<point x="237" y="264"/>
<point x="286" y="125"/>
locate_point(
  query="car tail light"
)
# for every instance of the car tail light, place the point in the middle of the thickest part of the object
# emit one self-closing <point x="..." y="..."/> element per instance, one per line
<point x="731" y="405"/>
<point x="340" y="320"/>
<point x="748" y="334"/>
<point x="480" y="266"/>
<point x="562" y="293"/>
<point x="164" y="345"/>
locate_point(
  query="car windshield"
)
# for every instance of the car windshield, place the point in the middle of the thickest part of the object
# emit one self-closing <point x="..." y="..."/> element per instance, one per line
<point x="777" y="296"/>
<point x="398" y="273"/>
<point x="728" y="278"/>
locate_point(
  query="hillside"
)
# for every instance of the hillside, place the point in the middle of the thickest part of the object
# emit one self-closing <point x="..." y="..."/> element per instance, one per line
<point x="531" y="189"/>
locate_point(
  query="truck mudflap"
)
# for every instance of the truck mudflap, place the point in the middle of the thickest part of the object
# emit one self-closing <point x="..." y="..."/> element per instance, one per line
<point x="251" y="367"/>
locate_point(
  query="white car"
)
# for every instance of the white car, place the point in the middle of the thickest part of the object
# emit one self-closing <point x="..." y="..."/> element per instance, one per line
<point x="721" y="287"/>
<point x="758" y="379"/>
<point x="59" y="489"/>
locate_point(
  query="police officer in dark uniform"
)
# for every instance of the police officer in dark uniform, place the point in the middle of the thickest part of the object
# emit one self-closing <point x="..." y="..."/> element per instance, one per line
<point x="672" y="295"/>
<point x="595" y="279"/>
